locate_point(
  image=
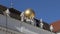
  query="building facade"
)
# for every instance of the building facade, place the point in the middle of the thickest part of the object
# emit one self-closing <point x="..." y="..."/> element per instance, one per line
<point x="13" y="23"/>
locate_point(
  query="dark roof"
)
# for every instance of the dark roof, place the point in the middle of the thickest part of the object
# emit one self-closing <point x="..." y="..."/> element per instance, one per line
<point x="2" y="8"/>
<point x="14" y="13"/>
<point x="45" y="26"/>
<point x="12" y="10"/>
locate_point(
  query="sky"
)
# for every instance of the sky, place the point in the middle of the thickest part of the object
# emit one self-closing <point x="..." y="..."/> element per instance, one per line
<point x="48" y="10"/>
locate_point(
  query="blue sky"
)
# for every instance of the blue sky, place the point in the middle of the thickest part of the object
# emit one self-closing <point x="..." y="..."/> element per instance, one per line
<point x="48" y="10"/>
